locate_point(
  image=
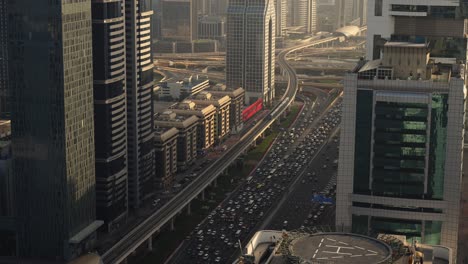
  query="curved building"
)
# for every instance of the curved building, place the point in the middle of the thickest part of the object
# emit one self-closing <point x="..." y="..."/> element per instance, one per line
<point x="140" y="120"/>
<point x="109" y="110"/>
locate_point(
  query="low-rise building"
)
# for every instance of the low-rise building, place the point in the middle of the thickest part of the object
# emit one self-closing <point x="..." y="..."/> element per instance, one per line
<point x="165" y="143"/>
<point x="182" y="89"/>
<point x="206" y="121"/>
<point x="222" y="104"/>
<point x="187" y="138"/>
<point x="237" y="103"/>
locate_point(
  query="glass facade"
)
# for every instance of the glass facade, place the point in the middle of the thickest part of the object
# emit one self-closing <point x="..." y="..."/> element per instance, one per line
<point x="52" y="125"/>
<point x="399" y="149"/>
<point x="362" y="151"/>
<point x="437" y="147"/>
<point x="250" y="57"/>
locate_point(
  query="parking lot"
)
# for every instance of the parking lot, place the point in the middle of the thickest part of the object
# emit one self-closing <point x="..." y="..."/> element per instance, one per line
<point x="215" y="240"/>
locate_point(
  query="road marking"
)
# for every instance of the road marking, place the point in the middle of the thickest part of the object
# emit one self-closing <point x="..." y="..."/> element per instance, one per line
<point x="331" y="239"/>
<point x="338" y="257"/>
<point x="355" y="256"/>
<point x="372" y="251"/>
<point x="322" y="258"/>
<point x="371" y="254"/>
<point x="360" y="248"/>
<point x="343" y="243"/>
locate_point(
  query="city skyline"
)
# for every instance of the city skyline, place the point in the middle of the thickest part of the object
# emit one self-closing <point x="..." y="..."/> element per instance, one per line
<point x="189" y="131"/>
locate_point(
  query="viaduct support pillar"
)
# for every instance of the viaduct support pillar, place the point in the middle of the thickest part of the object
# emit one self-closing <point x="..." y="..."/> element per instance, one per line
<point x="202" y="195"/>
<point x="189" y="209"/>
<point x="150" y="243"/>
<point x="172" y="224"/>
<point x="215" y="182"/>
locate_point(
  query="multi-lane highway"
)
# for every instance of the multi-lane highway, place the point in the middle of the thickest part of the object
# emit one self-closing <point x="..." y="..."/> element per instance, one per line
<point x="143" y="232"/>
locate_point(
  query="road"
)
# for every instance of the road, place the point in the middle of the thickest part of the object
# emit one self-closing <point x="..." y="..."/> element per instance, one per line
<point x="215" y="239"/>
<point x="144" y="231"/>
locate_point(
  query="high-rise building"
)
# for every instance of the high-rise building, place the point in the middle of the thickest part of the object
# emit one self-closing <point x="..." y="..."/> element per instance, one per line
<point x="179" y="20"/>
<point x="311" y="21"/>
<point x="281" y="7"/>
<point x="345" y="10"/>
<point x="4" y="101"/>
<point x="110" y="116"/>
<point x="402" y="172"/>
<point x="250" y="53"/>
<point x="140" y="112"/>
<point x="51" y="79"/>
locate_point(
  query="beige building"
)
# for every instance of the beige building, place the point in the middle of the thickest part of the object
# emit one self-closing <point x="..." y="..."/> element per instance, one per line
<point x="237" y="103"/>
<point x="206" y="121"/>
<point x="222" y="117"/>
<point x="187" y="137"/>
<point x="165" y="143"/>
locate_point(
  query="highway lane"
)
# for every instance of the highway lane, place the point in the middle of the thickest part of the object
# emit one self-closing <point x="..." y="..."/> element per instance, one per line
<point x="238" y="215"/>
<point x="158" y="219"/>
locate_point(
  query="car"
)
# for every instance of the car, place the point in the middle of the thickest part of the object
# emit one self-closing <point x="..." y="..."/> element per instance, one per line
<point x="218" y="259"/>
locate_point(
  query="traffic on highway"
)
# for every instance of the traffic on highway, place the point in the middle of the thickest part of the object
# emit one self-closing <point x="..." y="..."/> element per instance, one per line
<point x="216" y="239"/>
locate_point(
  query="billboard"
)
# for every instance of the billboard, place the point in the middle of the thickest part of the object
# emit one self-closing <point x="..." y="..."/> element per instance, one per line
<point x="251" y="110"/>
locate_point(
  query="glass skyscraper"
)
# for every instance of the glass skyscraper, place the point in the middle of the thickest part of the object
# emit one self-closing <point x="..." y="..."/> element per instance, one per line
<point x="250" y="52"/>
<point x="51" y="79"/>
<point x="402" y="141"/>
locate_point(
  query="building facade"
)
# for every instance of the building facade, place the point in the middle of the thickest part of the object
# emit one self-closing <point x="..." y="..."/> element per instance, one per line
<point x="4" y="101"/>
<point x="212" y="27"/>
<point x="237" y="104"/>
<point x="110" y="115"/>
<point x="401" y="150"/>
<point x="206" y="128"/>
<point x="165" y="143"/>
<point x="179" y="20"/>
<point x="222" y="103"/>
<point x="51" y="79"/>
<point x="140" y="112"/>
<point x="250" y="53"/>
<point x="187" y="137"/>
<point x="281" y="9"/>
<point x="440" y="23"/>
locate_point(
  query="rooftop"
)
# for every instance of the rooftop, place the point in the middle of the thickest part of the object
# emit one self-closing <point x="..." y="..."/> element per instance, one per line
<point x="307" y="246"/>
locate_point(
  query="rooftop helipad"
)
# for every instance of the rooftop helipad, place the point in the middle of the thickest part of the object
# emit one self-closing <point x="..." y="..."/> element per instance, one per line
<point x="340" y="248"/>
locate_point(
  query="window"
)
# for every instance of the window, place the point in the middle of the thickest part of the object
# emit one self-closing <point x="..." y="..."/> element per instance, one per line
<point x="378" y="8"/>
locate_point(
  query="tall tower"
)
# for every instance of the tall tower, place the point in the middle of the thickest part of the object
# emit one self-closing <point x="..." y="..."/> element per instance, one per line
<point x="281" y="7"/>
<point x="402" y="137"/>
<point x="250" y="53"/>
<point x="51" y="79"/>
<point x="311" y="23"/>
<point x="110" y="115"/>
<point x="140" y="120"/>
<point x="4" y="101"/>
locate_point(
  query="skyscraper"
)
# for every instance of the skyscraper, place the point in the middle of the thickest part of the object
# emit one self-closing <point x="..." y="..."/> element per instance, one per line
<point x="250" y="53"/>
<point x="4" y="104"/>
<point x="180" y="19"/>
<point x="281" y="7"/>
<point x="304" y="14"/>
<point x="139" y="85"/>
<point x="402" y="172"/>
<point x="51" y="79"/>
<point x="110" y="116"/>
